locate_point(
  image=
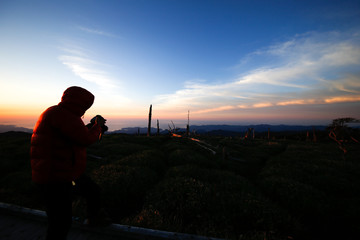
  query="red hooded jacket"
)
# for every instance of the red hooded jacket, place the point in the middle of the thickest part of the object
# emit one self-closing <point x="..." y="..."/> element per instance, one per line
<point x="60" y="138"/>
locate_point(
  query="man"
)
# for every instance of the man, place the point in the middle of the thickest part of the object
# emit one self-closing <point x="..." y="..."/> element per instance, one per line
<point x="58" y="159"/>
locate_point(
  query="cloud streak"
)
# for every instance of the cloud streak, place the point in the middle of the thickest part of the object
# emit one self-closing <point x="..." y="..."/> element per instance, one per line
<point x="97" y="32"/>
<point x="88" y="70"/>
<point x="313" y="68"/>
<point x="78" y="61"/>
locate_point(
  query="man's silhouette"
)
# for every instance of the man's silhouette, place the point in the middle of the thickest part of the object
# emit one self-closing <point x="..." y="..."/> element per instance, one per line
<point x="58" y="159"/>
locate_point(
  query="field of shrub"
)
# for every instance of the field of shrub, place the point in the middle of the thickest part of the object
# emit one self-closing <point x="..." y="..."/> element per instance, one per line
<point x="252" y="189"/>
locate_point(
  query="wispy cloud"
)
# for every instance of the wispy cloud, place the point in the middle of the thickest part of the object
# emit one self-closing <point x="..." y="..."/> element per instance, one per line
<point x="222" y="108"/>
<point x="340" y="99"/>
<point x="86" y="68"/>
<point x="262" y="105"/>
<point x="296" y="102"/>
<point x="313" y="68"/>
<point x="97" y="32"/>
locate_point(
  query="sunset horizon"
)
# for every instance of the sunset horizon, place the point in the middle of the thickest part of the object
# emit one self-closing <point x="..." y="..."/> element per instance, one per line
<point x="118" y="123"/>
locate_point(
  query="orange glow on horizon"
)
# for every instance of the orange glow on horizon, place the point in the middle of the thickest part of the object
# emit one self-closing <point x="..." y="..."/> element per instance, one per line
<point x="293" y="111"/>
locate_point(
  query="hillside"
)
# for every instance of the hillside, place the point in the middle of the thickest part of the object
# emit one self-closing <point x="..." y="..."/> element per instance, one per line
<point x="249" y="189"/>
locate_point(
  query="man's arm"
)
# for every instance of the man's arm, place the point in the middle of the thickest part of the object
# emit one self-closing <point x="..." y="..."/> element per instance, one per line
<point x="74" y="128"/>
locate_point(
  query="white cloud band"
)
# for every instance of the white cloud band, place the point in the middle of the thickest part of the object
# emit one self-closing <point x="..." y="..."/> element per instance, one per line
<point x="314" y="68"/>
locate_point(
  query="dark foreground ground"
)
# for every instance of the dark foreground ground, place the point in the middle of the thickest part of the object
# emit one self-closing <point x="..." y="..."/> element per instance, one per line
<point x="286" y="187"/>
<point x="29" y="227"/>
<point x="18" y="223"/>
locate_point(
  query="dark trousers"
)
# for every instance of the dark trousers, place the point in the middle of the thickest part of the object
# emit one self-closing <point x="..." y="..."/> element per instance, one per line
<point x="58" y="200"/>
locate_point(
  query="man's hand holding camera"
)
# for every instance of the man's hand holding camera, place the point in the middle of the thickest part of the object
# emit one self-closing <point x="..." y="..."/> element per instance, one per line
<point x="98" y="119"/>
<point x="101" y="121"/>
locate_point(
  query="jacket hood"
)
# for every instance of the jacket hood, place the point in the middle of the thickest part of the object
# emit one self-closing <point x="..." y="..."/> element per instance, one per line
<point x="77" y="100"/>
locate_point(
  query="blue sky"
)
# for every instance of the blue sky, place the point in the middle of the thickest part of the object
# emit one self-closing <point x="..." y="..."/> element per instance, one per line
<point x="236" y="62"/>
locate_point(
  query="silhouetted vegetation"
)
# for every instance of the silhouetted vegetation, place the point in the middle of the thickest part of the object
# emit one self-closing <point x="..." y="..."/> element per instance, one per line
<point x="282" y="188"/>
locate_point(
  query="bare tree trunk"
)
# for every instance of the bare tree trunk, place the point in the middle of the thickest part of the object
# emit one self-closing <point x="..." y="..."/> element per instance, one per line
<point x="158" y="128"/>
<point x="224" y="154"/>
<point x="188" y="125"/>
<point x="149" y="123"/>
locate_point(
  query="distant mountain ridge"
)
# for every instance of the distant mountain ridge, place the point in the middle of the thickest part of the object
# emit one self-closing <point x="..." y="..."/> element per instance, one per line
<point x="200" y="129"/>
<point x="257" y="128"/>
<point x="203" y="129"/>
<point x="13" y="128"/>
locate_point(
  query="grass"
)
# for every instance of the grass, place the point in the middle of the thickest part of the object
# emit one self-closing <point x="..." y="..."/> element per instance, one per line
<point x="317" y="186"/>
<point x="248" y="190"/>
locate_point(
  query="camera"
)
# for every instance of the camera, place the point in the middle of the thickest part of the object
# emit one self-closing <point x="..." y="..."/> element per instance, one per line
<point x="104" y="128"/>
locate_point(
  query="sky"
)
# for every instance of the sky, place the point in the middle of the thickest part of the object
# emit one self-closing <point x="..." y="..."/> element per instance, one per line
<point x="224" y="62"/>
